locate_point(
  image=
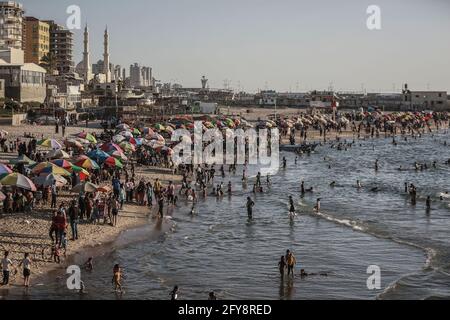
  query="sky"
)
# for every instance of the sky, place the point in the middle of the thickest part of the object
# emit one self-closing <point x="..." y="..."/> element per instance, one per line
<point x="285" y="45"/>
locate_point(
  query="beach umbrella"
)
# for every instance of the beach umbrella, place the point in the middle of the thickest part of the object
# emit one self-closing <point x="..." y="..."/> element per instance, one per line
<point x="79" y="170"/>
<point x="87" y="164"/>
<point x="126" y="134"/>
<point x="48" y="180"/>
<point x="23" y="159"/>
<point x="128" y="147"/>
<point x="73" y="143"/>
<point x="50" y="168"/>
<point x="18" y="180"/>
<point x="2" y="196"/>
<point x="136" y="132"/>
<point x="85" y="187"/>
<point x="107" y="147"/>
<point x="119" y="138"/>
<point x="4" y="170"/>
<point x="63" y="164"/>
<point x="159" y="127"/>
<point x="148" y="131"/>
<point x="98" y="155"/>
<point x="113" y="162"/>
<point x="87" y="136"/>
<point x="118" y="155"/>
<point x="50" y="143"/>
<point x="123" y="126"/>
<point x="139" y="141"/>
<point x="57" y="154"/>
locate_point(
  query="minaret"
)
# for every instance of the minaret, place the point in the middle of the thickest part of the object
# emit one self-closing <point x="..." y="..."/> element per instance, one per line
<point x="106" y="69"/>
<point x="86" y="61"/>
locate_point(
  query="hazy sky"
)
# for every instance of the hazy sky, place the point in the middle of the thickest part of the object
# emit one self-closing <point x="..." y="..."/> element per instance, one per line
<point x="286" y="45"/>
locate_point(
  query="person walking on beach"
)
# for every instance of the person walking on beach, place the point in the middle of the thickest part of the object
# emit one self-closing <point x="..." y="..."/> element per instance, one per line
<point x="250" y="205"/>
<point x="115" y="211"/>
<point x="74" y="219"/>
<point x="6" y="265"/>
<point x="291" y="262"/>
<point x="54" y="194"/>
<point x="26" y="263"/>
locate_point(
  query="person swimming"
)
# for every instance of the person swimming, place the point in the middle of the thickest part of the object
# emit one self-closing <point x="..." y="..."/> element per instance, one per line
<point x="333" y="184"/>
<point x="358" y="184"/>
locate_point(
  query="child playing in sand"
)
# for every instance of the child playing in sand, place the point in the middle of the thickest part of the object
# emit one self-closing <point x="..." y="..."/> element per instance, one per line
<point x="56" y="254"/>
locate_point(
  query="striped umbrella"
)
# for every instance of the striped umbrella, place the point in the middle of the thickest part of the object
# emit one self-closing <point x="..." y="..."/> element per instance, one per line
<point x="50" y="168"/>
<point x="88" y="164"/>
<point x="50" y="143"/>
<point x="89" y="137"/>
<point x="4" y="170"/>
<point x="113" y="162"/>
<point x="18" y="180"/>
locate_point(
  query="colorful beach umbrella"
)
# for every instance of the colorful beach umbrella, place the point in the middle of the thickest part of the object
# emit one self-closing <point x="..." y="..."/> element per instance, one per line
<point x="18" y="180"/>
<point x="63" y="164"/>
<point x="87" y="136"/>
<point x="98" y="155"/>
<point x="113" y="162"/>
<point x="88" y="164"/>
<point x="107" y="147"/>
<point x="118" y="155"/>
<point x="73" y="143"/>
<point x="4" y="170"/>
<point x="127" y="147"/>
<point x="50" y="143"/>
<point x="50" y="168"/>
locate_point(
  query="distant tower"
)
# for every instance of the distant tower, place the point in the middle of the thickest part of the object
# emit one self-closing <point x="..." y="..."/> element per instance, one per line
<point x="86" y="61"/>
<point x="106" y="69"/>
<point x="204" y="82"/>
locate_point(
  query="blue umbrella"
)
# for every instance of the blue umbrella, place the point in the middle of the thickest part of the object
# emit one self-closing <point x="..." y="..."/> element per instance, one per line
<point x="98" y="155"/>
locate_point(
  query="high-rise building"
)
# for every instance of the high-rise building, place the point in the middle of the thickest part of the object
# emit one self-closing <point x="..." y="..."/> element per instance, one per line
<point x="140" y="76"/>
<point x="36" y="39"/>
<point x="61" y="47"/>
<point x="11" y="25"/>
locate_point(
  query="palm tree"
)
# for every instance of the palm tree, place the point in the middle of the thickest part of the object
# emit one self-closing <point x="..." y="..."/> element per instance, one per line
<point x="48" y="62"/>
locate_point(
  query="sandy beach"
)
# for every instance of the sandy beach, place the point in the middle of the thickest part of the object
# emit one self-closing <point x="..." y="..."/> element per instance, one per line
<point x="29" y="233"/>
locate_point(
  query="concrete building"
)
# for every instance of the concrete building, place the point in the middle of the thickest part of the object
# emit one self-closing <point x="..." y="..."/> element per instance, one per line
<point x="424" y="100"/>
<point x="23" y="82"/>
<point x="140" y="76"/>
<point x="61" y="46"/>
<point x="36" y="39"/>
<point x="11" y="25"/>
